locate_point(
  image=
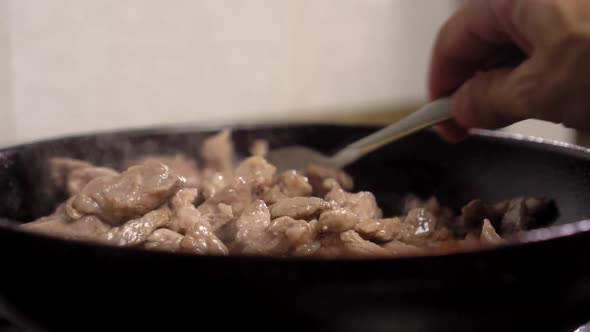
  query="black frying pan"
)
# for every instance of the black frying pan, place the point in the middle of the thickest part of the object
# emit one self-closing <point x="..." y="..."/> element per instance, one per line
<point x="541" y="282"/>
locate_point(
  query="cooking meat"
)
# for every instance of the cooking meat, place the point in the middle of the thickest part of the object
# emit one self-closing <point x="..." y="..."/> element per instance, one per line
<point x="180" y="164"/>
<point x="488" y="233"/>
<point x="226" y="208"/>
<point x="337" y="221"/>
<point x="137" y="231"/>
<point x="294" y="237"/>
<point x="419" y="228"/>
<point x="259" y="148"/>
<point x="351" y="244"/>
<point x="88" y="228"/>
<point x="379" y="230"/>
<point x="363" y="203"/>
<point x="198" y="233"/>
<point x="256" y="171"/>
<point x="509" y="216"/>
<point x="288" y="184"/>
<point x="213" y="182"/>
<point x="443" y="214"/>
<point x="116" y="199"/>
<point x="317" y="175"/>
<point x="164" y="239"/>
<point x="251" y="228"/>
<point x="218" y="152"/>
<point x="299" y="207"/>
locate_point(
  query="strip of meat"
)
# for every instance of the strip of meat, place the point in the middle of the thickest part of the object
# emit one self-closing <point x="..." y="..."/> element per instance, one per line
<point x="116" y="199"/>
<point x="287" y="185"/>
<point x="489" y="235"/>
<point x="363" y="203"/>
<point x="379" y="230"/>
<point x="299" y="207"/>
<point x="251" y="229"/>
<point x="337" y="221"/>
<point x="180" y="164"/>
<point x="259" y="148"/>
<point x="88" y="228"/>
<point x="137" y="231"/>
<point x="164" y="239"/>
<point x="218" y="152"/>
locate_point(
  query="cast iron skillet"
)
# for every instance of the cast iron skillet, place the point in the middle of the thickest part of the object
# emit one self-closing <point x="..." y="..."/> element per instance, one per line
<point x="541" y="282"/>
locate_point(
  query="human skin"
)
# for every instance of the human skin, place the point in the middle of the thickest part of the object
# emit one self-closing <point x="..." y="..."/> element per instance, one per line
<point x="504" y="61"/>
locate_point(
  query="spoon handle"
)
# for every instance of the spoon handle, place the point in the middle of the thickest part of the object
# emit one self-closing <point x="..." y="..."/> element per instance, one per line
<point x="428" y="115"/>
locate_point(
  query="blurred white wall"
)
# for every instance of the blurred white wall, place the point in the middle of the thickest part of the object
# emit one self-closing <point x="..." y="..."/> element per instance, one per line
<point x="80" y="65"/>
<point x="7" y="126"/>
<point x="85" y="65"/>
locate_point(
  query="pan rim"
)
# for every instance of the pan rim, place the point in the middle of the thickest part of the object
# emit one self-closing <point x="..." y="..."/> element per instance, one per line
<point x="538" y="235"/>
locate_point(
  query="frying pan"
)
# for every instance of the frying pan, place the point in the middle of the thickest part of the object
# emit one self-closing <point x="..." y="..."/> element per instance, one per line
<point x="541" y="281"/>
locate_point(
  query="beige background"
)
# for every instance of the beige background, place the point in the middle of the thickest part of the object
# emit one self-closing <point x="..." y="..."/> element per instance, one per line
<point x="70" y="66"/>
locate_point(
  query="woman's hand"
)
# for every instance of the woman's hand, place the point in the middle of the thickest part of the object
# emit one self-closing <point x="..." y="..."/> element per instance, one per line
<point x="511" y="60"/>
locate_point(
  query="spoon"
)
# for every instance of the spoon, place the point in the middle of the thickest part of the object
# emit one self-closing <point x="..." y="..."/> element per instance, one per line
<point x="298" y="157"/>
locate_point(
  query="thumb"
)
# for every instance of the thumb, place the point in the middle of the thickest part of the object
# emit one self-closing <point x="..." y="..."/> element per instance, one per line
<point x="489" y="100"/>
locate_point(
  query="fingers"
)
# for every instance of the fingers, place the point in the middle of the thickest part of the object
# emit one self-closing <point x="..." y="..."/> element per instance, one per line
<point x="496" y="98"/>
<point x="465" y="40"/>
<point x="476" y="33"/>
<point x="450" y="131"/>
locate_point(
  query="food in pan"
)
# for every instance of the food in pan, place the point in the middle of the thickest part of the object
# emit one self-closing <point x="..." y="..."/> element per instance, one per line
<point x="223" y="206"/>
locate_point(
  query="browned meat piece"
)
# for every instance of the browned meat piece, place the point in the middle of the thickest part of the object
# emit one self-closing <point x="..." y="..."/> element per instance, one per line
<point x="137" y="231"/>
<point x="200" y="239"/>
<point x="257" y="235"/>
<point x="489" y="235"/>
<point x="420" y="226"/>
<point x="299" y="207"/>
<point x="473" y="214"/>
<point x="516" y="217"/>
<point x="198" y="233"/>
<point x="294" y="237"/>
<point x="251" y="228"/>
<point x="164" y="239"/>
<point x="180" y="164"/>
<point x="349" y="243"/>
<point x="287" y="185"/>
<point x="116" y="199"/>
<point x="443" y="215"/>
<point x="363" y="203"/>
<point x="88" y="228"/>
<point x="379" y="230"/>
<point x="184" y="198"/>
<point x="509" y="216"/>
<point x="317" y="175"/>
<point x="256" y="171"/>
<point x="399" y="248"/>
<point x="237" y="196"/>
<point x="259" y="148"/>
<point x="337" y="221"/>
<point x="218" y="152"/>
<point x="250" y="176"/>
<point x="212" y="183"/>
